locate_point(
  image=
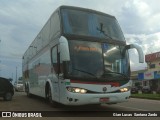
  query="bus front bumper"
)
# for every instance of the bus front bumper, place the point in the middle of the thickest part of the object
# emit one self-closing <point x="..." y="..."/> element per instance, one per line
<point x="84" y="99"/>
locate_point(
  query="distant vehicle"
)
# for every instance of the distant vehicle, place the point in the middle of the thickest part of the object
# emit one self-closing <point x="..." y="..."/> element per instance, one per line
<point x="79" y="57"/>
<point x="146" y="89"/>
<point x="134" y="90"/>
<point x="19" y="86"/>
<point x="6" y="89"/>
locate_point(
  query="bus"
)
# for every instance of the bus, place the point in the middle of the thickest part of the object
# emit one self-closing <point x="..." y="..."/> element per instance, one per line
<point x="79" y="57"/>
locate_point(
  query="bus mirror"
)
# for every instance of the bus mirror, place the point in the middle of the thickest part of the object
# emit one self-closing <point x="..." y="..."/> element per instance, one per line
<point x="139" y="50"/>
<point x="64" y="49"/>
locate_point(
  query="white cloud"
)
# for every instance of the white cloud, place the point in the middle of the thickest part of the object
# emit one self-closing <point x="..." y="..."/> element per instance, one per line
<point x="153" y="23"/>
<point x="138" y="7"/>
<point x="149" y="43"/>
<point x="140" y="17"/>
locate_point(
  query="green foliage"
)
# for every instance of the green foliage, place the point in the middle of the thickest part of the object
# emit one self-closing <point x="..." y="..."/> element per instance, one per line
<point x="147" y="96"/>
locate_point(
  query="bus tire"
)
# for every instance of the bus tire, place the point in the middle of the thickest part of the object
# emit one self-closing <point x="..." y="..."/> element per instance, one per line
<point x="49" y="98"/>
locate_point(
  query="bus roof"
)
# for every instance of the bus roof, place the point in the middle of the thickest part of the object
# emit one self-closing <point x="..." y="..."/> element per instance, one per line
<point x="84" y="9"/>
<point x="79" y="9"/>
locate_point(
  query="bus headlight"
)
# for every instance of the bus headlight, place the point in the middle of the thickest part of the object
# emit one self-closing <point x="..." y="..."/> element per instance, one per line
<point x="76" y="90"/>
<point x="125" y="89"/>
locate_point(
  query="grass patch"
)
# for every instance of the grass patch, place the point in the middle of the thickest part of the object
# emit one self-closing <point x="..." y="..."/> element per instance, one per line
<point x="146" y="96"/>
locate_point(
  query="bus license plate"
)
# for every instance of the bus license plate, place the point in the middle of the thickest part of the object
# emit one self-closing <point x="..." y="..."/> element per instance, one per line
<point x="104" y="100"/>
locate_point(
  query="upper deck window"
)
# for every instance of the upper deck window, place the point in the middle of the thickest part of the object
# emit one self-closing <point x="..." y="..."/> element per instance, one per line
<point x="91" y="24"/>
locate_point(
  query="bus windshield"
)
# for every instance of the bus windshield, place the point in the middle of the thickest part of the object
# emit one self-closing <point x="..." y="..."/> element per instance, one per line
<point x="97" y="60"/>
<point x="91" y="24"/>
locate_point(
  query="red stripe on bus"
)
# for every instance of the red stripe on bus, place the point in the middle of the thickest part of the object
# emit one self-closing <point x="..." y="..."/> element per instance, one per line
<point x="115" y="84"/>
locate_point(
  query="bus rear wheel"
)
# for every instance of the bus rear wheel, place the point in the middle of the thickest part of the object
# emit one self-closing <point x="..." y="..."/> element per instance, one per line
<point x="27" y="92"/>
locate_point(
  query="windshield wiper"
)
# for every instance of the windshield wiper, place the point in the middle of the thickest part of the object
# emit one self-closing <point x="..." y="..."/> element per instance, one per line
<point x="85" y="72"/>
<point x="117" y="73"/>
<point x="102" y="31"/>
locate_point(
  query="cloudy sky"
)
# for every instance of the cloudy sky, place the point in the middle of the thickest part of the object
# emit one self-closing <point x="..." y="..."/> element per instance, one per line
<point x="21" y="20"/>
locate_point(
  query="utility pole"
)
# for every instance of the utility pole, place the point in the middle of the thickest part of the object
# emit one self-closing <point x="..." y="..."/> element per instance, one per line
<point x="0" y="63"/>
<point x="16" y="75"/>
<point x="0" y="60"/>
<point x="12" y="75"/>
<point x="0" y="66"/>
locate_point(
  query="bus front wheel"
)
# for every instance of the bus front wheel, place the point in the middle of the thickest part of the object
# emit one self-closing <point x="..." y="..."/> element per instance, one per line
<point x="49" y="97"/>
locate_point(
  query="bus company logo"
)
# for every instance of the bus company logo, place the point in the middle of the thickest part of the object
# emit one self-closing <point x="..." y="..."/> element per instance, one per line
<point x="20" y="114"/>
<point x="104" y="89"/>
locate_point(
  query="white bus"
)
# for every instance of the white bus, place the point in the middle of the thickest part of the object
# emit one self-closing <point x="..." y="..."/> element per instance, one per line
<point x="79" y="57"/>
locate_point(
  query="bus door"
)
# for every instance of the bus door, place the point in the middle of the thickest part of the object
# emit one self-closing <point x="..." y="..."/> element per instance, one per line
<point x="55" y="72"/>
<point x="61" y="80"/>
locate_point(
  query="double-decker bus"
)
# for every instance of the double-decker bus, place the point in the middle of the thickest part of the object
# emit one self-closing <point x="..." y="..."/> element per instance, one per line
<point x="79" y="57"/>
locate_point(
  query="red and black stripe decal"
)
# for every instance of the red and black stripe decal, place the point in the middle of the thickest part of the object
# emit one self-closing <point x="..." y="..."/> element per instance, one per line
<point x="113" y="84"/>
